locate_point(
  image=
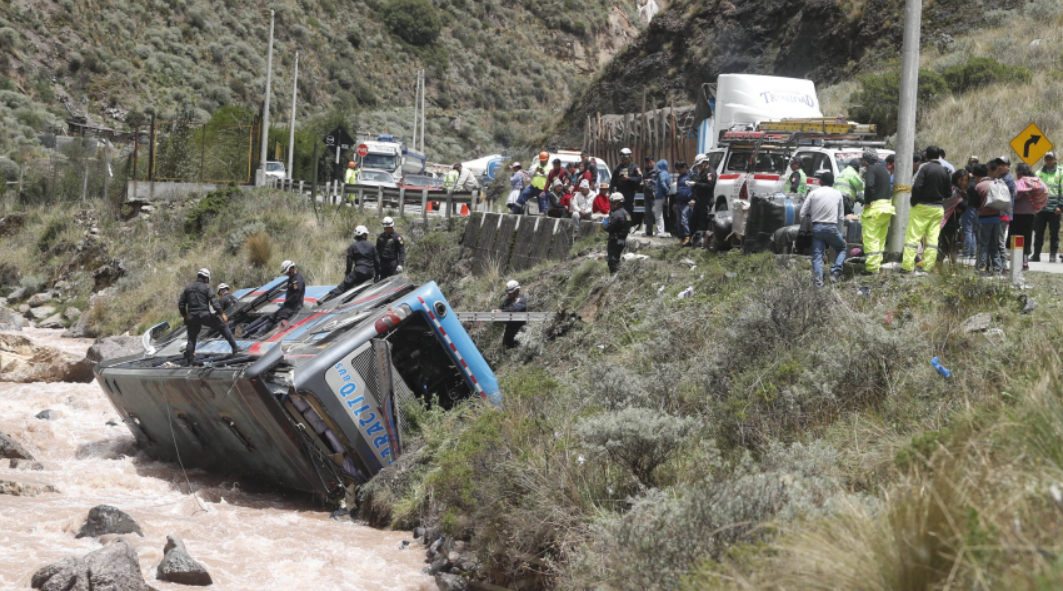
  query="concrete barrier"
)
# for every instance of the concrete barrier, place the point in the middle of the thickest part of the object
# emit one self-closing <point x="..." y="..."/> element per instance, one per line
<point x="514" y="242"/>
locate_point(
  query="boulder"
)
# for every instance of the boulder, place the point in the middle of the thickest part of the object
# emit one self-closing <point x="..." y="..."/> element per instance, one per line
<point x="114" y="567"/>
<point x="23" y="308"/>
<point x="17" y="464"/>
<point x="40" y="313"/>
<point x="113" y="347"/>
<point x="80" y="329"/>
<point x="23" y="361"/>
<point x="977" y="323"/>
<point x="449" y="582"/>
<point x="178" y="567"/>
<point x="11" y="321"/>
<point x="22" y="489"/>
<point x="9" y="448"/>
<point x="105" y="519"/>
<point x="54" y="321"/>
<point x="18" y="294"/>
<point x="72" y="313"/>
<point x="39" y="299"/>
<point x="46" y="414"/>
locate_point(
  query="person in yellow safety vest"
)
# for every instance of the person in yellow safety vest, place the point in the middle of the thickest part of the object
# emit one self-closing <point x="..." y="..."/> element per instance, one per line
<point x="797" y="182"/>
<point x="351" y="178"/>
<point x="451" y="180"/>
<point x="850" y="184"/>
<point x="931" y="187"/>
<point x="878" y="209"/>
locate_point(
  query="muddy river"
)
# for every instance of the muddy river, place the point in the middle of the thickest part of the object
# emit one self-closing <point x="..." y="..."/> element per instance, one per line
<point x="251" y="540"/>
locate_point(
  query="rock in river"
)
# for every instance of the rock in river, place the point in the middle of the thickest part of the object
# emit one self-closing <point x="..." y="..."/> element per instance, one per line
<point x="23" y="361"/>
<point x="105" y="519"/>
<point x="9" y="448"/>
<point x="178" y="567"/>
<point x="114" y="567"/>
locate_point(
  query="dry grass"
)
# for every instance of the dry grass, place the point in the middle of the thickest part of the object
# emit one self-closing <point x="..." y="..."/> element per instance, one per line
<point x="259" y="249"/>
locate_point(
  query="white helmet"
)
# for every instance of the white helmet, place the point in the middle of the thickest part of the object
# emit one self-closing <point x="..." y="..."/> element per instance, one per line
<point x="223" y="286"/>
<point x="388" y="222"/>
<point x="285" y="266"/>
<point x="361" y="231"/>
<point x="512" y="286"/>
<point x="616" y="197"/>
<point x="625" y="152"/>
<point x="204" y="273"/>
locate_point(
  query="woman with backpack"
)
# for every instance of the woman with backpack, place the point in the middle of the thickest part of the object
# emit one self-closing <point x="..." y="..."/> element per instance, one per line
<point x="1030" y="196"/>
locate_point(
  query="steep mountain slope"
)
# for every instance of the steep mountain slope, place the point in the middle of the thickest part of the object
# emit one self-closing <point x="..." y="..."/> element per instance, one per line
<point x="693" y="41"/>
<point x="114" y="60"/>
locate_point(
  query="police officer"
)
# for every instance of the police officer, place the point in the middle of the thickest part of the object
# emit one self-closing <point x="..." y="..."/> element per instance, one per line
<point x="618" y="226"/>
<point x="200" y="308"/>
<point x="294" y="293"/>
<point x="513" y="302"/>
<point x="225" y="298"/>
<point x="363" y="264"/>
<point x="391" y="248"/>
<point x="627" y="179"/>
<point x="702" y="186"/>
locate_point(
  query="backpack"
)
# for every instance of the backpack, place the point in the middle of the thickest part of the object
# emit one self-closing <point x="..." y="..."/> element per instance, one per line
<point x="1037" y="192"/>
<point x="998" y="196"/>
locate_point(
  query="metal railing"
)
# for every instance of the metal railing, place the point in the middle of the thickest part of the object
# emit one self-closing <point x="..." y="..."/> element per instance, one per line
<point x="444" y="202"/>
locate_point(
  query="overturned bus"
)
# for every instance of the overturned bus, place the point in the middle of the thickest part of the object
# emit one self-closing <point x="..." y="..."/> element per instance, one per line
<point x="314" y="405"/>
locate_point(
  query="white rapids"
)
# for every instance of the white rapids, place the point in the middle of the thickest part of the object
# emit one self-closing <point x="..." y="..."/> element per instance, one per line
<point x="246" y="540"/>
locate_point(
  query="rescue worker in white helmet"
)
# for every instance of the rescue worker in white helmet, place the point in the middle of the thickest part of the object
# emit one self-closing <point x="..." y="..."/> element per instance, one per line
<point x="618" y="224"/>
<point x="200" y="308"/>
<point x="513" y="302"/>
<point x="391" y="248"/>
<point x="363" y="263"/>
<point x="225" y="297"/>
<point x="294" y="293"/>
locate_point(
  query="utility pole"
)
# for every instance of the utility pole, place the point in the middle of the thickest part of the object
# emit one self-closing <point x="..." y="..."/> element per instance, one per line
<point x="422" y="112"/>
<point x="261" y="176"/>
<point x="902" y="168"/>
<point x="291" y="124"/>
<point x="416" y="105"/>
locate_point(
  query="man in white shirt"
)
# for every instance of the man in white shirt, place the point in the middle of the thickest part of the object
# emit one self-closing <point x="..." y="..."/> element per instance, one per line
<point x="826" y="206"/>
<point x="582" y="203"/>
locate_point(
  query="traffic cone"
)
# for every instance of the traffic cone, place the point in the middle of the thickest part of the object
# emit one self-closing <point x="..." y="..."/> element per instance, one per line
<point x="464" y="210"/>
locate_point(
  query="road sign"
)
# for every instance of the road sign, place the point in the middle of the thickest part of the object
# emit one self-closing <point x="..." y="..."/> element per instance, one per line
<point x="363" y="150"/>
<point x="1031" y="145"/>
<point x="339" y="137"/>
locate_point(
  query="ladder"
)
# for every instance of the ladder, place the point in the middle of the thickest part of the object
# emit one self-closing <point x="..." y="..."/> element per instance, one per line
<point x="505" y="316"/>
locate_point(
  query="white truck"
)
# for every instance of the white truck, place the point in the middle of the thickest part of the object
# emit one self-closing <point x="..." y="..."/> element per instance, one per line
<point x="744" y="100"/>
<point x="393" y="156"/>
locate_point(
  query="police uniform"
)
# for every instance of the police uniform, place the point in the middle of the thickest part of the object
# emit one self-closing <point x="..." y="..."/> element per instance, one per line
<point x="201" y="308"/>
<point x="294" y="293"/>
<point x="618" y="228"/>
<point x="392" y="251"/>
<point x="227" y="301"/>
<point x="514" y="304"/>
<point x="363" y="265"/>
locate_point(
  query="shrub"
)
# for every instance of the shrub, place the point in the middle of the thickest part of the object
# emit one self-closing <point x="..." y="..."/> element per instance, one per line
<point x="416" y="22"/>
<point x="982" y="71"/>
<point x="636" y="438"/>
<point x="50" y="234"/>
<point x="208" y="208"/>
<point x="259" y="249"/>
<point x="878" y="99"/>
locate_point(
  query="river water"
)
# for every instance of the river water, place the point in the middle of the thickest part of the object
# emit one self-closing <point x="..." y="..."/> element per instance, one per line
<point x="246" y="540"/>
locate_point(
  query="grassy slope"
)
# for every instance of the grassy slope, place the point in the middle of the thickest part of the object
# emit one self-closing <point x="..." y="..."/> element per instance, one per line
<point x="982" y="121"/>
<point x="745" y="437"/>
<point x="199" y="54"/>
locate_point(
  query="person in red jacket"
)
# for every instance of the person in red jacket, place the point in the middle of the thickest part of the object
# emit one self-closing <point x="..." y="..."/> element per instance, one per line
<point x="600" y="206"/>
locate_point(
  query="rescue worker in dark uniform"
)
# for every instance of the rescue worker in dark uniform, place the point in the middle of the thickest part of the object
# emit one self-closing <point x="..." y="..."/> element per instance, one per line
<point x="513" y="302"/>
<point x="293" y="302"/>
<point x="363" y="264"/>
<point x="627" y="179"/>
<point x="225" y="297"/>
<point x="391" y="248"/>
<point x="200" y="308"/>
<point x="703" y="186"/>
<point x="618" y="227"/>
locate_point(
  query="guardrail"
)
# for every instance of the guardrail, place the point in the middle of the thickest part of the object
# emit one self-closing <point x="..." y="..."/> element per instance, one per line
<point x="447" y="203"/>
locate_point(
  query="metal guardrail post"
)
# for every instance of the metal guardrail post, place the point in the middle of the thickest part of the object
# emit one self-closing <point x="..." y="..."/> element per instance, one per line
<point x="424" y="203"/>
<point x="450" y="202"/>
<point x="300" y="187"/>
<point x="380" y="201"/>
<point x="361" y="199"/>
<point x="402" y="202"/>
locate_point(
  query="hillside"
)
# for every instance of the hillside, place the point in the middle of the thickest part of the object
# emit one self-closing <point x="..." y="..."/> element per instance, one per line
<point x="113" y="61"/>
<point x="693" y="41"/>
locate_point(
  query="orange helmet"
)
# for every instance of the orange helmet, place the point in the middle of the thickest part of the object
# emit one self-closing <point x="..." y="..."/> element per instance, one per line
<point x="544" y="156"/>
<point x="350" y="165"/>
